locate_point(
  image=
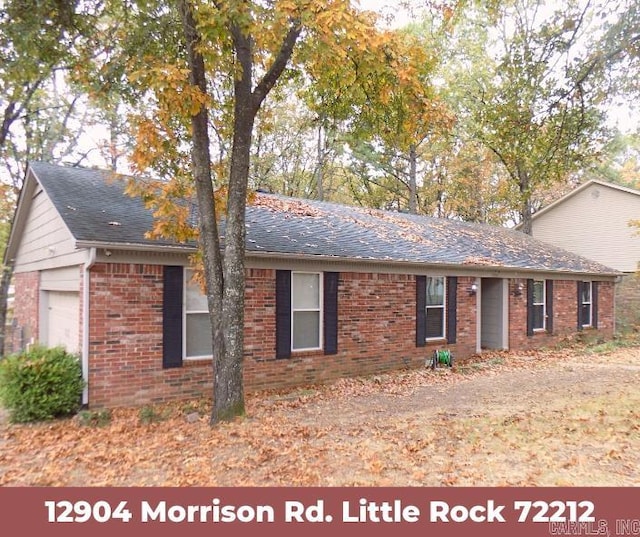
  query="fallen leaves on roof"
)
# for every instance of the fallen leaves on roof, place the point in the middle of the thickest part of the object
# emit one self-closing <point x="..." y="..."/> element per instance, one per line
<point x="292" y="206"/>
<point x="477" y="260"/>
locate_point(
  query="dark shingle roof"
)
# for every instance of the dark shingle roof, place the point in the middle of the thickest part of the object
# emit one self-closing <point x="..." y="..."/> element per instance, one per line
<point x="94" y="206"/>
<point x="96" y="210"/>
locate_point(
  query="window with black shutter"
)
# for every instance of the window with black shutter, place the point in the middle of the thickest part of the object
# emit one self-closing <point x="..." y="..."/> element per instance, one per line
<point x="173" y="280"/>
<point x="436" y="304"/>
<point x="306" y="312"/>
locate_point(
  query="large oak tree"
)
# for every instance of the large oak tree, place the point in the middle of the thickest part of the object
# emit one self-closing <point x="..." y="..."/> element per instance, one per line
<point x="224" y="60"/>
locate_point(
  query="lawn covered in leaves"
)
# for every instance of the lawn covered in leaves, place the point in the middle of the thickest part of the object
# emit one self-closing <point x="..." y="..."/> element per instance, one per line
<point x="567" y="417"/>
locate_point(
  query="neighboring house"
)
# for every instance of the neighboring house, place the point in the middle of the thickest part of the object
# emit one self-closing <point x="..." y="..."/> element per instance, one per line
<point x="331" y="290"/>
<point x="593" y="221"/>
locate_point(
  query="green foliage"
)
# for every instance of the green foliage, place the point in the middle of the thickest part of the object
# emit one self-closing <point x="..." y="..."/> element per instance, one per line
<point x="200" y="406"/>
<point x="620" y="341"/>
<point x="41" y="384"/>
<point x="148" y="414"/>
<point x="95" y="418"/>
<point x="529" y="93"/>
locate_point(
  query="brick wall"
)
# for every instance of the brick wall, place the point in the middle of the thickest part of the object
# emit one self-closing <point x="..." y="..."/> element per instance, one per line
<point x="26" y="311"/>
<point x="565" y="317"/>
<point x="628" y="303"/>
<point x="606" y="309"/>
<point x="125" y="341"/>
<point x="376" y="332"/>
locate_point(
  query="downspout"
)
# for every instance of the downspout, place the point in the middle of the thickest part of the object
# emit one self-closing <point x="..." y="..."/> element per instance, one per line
<point x="91" y="259"/>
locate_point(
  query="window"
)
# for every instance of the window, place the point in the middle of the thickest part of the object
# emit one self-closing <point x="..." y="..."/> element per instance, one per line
<point x="586" y="303"/>
<point x="435" y="307"/>
<point x="197" y="330"/>
<point x="306" y="312"/>
<point x="306" y="308"/>
<point x="539" y="305"/>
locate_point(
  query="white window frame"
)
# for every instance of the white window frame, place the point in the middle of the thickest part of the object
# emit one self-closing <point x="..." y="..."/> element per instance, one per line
<point x="319" y="309"/>
<point x="443" y="306"/>
<point x="590" y="302"/>
<point x="188" y="281"/>
<point x="543" y="304"/>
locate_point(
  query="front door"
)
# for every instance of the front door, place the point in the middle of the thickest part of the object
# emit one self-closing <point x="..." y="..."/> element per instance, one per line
<point x="494" y="313"/>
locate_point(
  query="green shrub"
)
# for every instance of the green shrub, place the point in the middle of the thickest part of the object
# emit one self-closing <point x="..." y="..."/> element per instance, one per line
<point x="40" y="384"/>
<point x="95" y="418"/>
<point x="148" y="414"/>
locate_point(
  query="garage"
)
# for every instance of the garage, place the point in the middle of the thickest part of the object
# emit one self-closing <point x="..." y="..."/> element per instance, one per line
<point x="62" y="319"/>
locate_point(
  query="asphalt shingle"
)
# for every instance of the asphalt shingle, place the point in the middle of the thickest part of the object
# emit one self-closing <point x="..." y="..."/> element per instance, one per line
<point x="96" y="209"/>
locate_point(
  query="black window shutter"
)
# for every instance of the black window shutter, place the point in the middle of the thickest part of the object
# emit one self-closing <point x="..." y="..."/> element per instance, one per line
<point x="330" y="312"/>
<point x="172" y="317"/>
<point x="452" y="309"/>
<point x="283" y="313"/>
<point x="421" y="311"/>
<point x="594" y="304"/>
<point x="579" y="288"/>
<point x="549" y="304"/>
<point x="529" y="307"/>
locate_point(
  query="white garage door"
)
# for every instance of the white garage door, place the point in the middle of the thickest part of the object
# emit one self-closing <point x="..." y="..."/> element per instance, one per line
<point x="63" y="320"/>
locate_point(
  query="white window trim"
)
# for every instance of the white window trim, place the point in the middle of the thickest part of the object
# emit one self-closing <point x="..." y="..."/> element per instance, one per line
<point x="543" y="304"/>
<point x="443" y="307"/>
<point x="590" y="320"/>
<point x="320" y="311"/>
<point x="187" y="277"/>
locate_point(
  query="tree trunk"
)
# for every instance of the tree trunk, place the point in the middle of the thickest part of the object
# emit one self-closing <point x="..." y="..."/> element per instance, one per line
<point x="9" y="117"/>
<point x="5" y="282"/>
<point x="225" y="274"/>
<point x="320" y="165"/>
<point x="201" y="166"/>
<point x="229" y="385"/>
<point x="526" y="225"/>
<point x="413" y="185"/>
<point x="440" y="195"/>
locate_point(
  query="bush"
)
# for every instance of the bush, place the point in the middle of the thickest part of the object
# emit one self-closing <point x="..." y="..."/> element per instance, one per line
<point x="148" y="414"/>
<point x="40" y="384"/>
<point x="95" y="418"/>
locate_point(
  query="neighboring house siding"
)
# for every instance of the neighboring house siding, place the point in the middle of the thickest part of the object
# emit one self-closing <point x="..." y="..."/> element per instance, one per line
<point x="45" y="241"/>
<point x="594" y="222"/>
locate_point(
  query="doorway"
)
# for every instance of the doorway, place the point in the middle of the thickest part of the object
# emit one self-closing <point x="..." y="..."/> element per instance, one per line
<point x="494" y="314"/>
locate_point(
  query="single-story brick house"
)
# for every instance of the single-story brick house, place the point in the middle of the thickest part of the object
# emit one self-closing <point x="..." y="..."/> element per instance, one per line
<point x="331" y="290"/>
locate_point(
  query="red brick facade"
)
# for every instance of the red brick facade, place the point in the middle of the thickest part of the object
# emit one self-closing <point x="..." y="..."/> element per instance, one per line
<point x="628" y="303"/>
<point x="565" y="317"/>
<point x="26" y="308"/>
<point x="376" y="332"/>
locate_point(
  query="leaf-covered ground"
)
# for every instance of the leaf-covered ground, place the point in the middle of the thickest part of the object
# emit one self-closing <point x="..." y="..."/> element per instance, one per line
<point x="551" y="418"/>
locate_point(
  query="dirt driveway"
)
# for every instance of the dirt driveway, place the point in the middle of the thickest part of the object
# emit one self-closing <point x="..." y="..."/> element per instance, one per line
<point x="566" y="418"/>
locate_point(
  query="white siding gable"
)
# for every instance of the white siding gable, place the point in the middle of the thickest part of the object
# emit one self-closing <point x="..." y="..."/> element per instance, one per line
<point x="594" y="222"/>
<point x="45" y="241"/>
